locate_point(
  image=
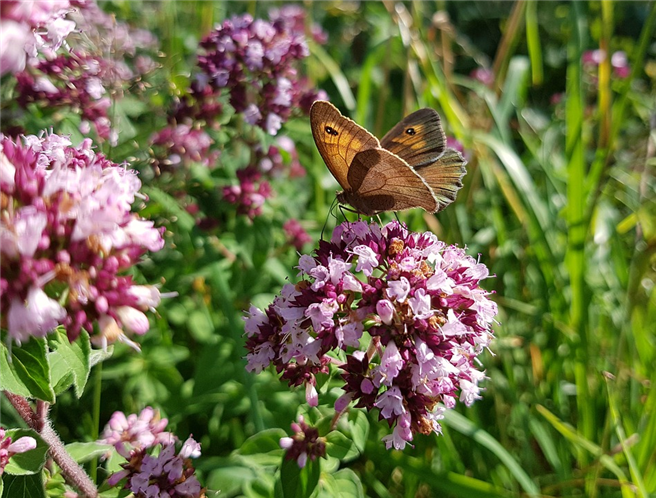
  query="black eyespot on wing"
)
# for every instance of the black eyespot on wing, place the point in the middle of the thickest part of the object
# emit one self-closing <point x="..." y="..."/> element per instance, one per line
<point x="331" y="131"/>
<point x="410" y="131"/>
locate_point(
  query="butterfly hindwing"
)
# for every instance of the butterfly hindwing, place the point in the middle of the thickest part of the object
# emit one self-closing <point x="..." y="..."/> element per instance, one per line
<point x="444" y="176"/>
<point x="338" y="139"/>
<point x="382" y="181"/>
<point x="418" y="139"/>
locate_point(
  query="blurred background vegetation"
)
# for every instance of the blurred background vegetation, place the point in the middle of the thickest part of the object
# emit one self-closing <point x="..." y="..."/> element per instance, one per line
<point x="558" y="201"/>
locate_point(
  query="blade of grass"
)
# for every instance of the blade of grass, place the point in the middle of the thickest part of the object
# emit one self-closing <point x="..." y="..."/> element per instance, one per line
<point x="523" y="184"/>
<point x="461" y="424"/>
<point x="511" y="35"/>
<point x="533" y="42"/>
<point x="575" y="258"/>
<point x="588" y="446"/>
<point x="335" y="72"/>
<point x="365" y="84"/>
<point x="454" y="484"/>
<point x="604" y="101"/>
<point x="548" y="446"/>
<point x="636" y="475"/>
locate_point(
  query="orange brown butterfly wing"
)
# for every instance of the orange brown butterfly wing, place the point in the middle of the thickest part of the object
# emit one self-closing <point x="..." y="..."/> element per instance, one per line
<point x="338" y="139"/>
<point x="418" y="138"/>
<point x="444" y="176"/>
<point x="382" y="181"/>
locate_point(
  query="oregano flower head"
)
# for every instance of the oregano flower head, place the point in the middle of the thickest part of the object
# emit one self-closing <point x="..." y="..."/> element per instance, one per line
<point x="400" y="312"/>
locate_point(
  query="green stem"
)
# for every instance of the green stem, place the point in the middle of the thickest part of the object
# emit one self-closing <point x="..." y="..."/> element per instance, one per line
<point x="95" y="414"/>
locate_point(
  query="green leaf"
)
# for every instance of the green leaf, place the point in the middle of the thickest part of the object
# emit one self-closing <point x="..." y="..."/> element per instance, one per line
<point x="262" y="442"/>
<point x="31" y="461"/>
<point x="296" y="482"/>
<point x="230" y="478"/>
<point x="183" y="219"/>
<point x="83" y="452"/>
<point x="98" y="355"/>
<point x="69" y="362"/>
<point x="29" y="486"/>
<point x="339" y="446"/>
<point x="344" y="483"/>
<point x="200" y="326"/>
<point x="26" y="371"/>
<point x="359" y="427"/>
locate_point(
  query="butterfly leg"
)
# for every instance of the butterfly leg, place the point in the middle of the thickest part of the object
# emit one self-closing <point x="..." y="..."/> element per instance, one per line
<point x="331" y="212"/>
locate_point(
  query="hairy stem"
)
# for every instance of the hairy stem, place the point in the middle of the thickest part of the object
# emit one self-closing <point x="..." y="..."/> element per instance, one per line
<point x="71" y="470"/>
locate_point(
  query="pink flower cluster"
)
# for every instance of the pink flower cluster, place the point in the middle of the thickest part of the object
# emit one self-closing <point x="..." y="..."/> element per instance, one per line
<point x="406" y="308"/>
<point x="304" y="444"/>
<point x="181" y="145"/>
<point x="101" y="33"/>
<point x="83" y="78"/>
<point x="273" y="163"/>
<point x="277" y="160"/>
<point x="73" y="80"/>
<point x="254" y="60"/>
<point x="250" y="194"/>
<point x="618" y="61"/>
<point x="8" y="448"/>
<point x="28" y="27"/>
<point x="483" y="75"/>
<point x="67" y="234"/>
<point x="166" y="474"/>
<point x="296" y="234"/>
<point x="293" y="17"/>
<point x="134" y="433"/>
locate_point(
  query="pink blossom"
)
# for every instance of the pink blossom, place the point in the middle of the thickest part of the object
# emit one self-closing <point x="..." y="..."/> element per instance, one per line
<point x="390" y="403"/>
<point x="14" y="37"/>
<point x="426" y="318"/>
<point x="367" y="259"/>
<point x="398" y="289"/>
<point x="390" y="366"/>
<point x="36" y="316"/>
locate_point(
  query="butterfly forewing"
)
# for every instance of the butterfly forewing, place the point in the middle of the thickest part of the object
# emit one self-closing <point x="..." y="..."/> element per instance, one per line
<point x="418" y="139"/>
<point x="444" y="176"/>
<point x="338" y="139"/>
<point x="382" y="181"/>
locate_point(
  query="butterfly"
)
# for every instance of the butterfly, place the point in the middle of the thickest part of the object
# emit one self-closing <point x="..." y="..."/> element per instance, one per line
<point x="410" y="167"/>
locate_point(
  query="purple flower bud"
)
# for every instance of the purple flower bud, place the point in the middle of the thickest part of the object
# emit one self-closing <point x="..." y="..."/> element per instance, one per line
<point x="304" y="444"/>
<point x="22" y="445"/>
<point x="385" y="310"/>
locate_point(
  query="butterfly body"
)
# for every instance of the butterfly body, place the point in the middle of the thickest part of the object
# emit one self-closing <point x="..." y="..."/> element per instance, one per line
<point x="410" y="167"/>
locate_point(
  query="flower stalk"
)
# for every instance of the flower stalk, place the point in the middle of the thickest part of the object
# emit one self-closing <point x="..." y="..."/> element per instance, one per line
<point x="73" y="473"/>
